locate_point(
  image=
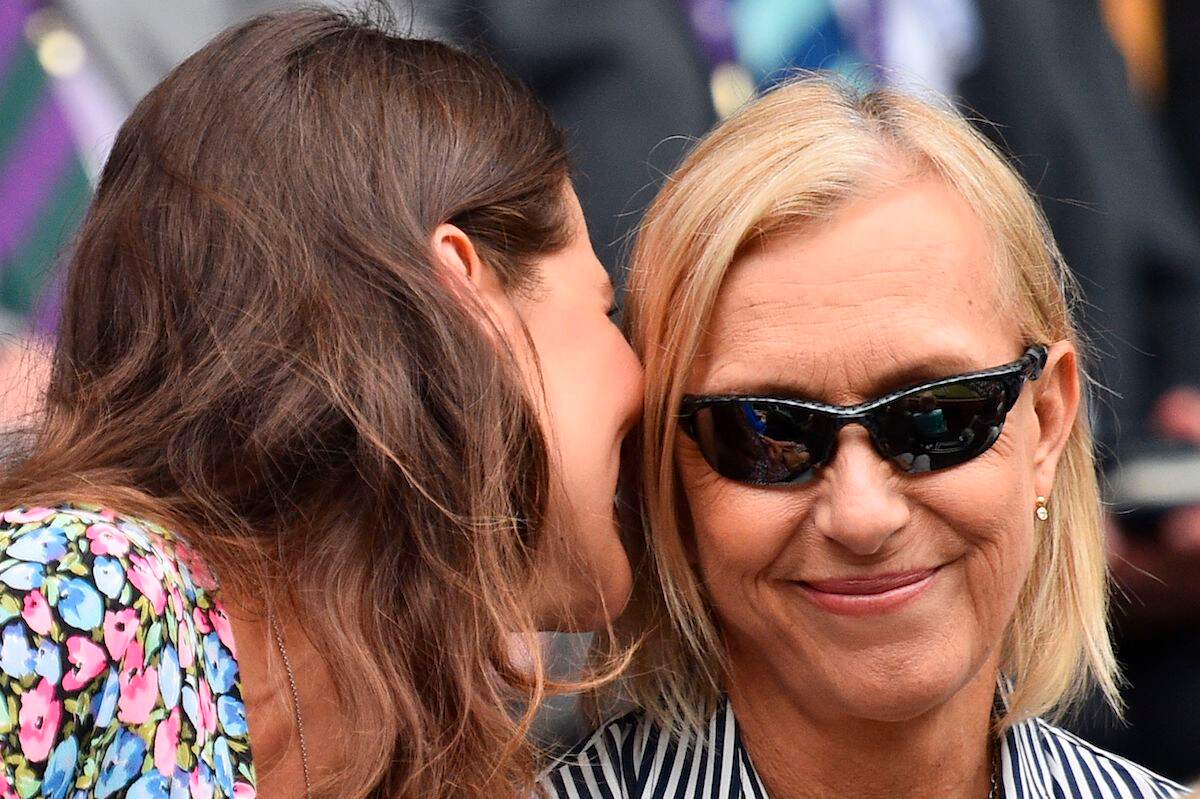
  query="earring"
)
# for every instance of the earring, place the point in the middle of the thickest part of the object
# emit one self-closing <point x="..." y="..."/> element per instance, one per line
<point x="1041" y="511"/>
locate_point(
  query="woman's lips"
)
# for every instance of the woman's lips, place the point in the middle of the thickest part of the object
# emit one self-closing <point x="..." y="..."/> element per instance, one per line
<point x="868" y="595"/>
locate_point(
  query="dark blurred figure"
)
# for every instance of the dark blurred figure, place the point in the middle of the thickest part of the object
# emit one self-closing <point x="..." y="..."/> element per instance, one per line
<point x="1157" y="557"/>
<point x="1181" y="106"/>
<point x="623" y="77"/>
<point x="1056" y="89"/>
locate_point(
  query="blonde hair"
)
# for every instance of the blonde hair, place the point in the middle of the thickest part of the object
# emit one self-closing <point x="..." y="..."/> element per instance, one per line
<point x="788" y="160"/>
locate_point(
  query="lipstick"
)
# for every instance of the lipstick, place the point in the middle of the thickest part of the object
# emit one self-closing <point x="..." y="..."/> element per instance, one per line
<point x="863" y="596"/>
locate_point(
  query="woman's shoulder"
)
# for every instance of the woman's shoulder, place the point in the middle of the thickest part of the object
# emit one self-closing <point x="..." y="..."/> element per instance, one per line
<point x="87" y="562"/>
<point x="1058" y="763"/>
<point x="608" y="757"/>
<point x="117" y="663"/>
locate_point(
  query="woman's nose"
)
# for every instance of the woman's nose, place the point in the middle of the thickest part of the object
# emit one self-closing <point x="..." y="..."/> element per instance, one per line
<point x="857" y="504"/>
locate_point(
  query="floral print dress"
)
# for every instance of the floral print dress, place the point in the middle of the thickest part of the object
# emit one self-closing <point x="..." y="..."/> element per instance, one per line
<point x="118" y="671"/>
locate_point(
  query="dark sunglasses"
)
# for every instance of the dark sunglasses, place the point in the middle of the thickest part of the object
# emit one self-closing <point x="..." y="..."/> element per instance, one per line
<point x="931" y="426"/>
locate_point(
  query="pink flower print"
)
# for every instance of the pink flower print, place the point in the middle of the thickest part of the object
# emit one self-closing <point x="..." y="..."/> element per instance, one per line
<point x="88" y="659"/>
<point x="107" y="514"/>
<point x="187" y="655"/>
<point x="107" y="540"/>
<point x="220" y="622"/>
<point x="200" y="785"/>
<point x="208" y="708"/>
<point x="153" y="562"/>
<point x="37" y="612"/>
<point x="139" y="688"/>
<point x="176" y="601"/>
<point x="119" y="629"/>
<point x="28" y="515"/>
<point x="40" y="716"/>
<point x="157" y="542"/>
<point x="166" y="743"/>
<point x="7" y="790"/>
<point x="196" y="567"/>
<point x="243" y="790"/>
<point x="141" y="574"/>
<point x="200" y="618"/>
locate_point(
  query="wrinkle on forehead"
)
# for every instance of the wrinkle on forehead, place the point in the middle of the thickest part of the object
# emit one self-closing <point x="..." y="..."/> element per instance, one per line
<point x="905" y="277"/>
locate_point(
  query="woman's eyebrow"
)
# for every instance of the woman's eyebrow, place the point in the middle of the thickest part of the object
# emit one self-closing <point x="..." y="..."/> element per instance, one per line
<point x="935" y="367"/>
<point x="895" y="376"/>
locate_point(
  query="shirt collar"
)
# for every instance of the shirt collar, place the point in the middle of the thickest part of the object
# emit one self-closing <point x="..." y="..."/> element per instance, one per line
<point x="1024" y="771"/>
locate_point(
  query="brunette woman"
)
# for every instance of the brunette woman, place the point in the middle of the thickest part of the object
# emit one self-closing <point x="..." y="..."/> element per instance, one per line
<point x="335" y="412"/>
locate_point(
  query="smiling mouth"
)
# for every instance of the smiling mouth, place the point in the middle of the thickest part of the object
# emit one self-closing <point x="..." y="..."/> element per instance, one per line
<point x="861" y="596"/>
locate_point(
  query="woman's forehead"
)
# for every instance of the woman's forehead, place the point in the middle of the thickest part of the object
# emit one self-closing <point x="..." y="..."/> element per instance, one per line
<point x="904" y="280"/>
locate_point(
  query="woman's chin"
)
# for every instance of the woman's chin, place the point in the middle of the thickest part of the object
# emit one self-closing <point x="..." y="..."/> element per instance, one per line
<point x="591" y="609"/>
<point x="588" y="598"/>
<point x="900" y="693"/>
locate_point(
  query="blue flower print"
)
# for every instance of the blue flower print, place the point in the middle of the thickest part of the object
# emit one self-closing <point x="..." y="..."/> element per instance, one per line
<point x="152" y="785"/>
<point x="80" y="605"/>
<point x="109" y="576"/>
<point x="40" y="546"/>
<point x="232" y="715"/>
<point x="23" y="576"/>
<point x="204" y="775"/>
<point x="179" y="785"/>
<point x="223" y="766"/>
<point x="113" y="659"/>
<point x="48" y="662"/>
<point x="60" y="770"/>
<point x="221" y="667"/>
<point x="134" y="533"/>
<point x="191" y="705"/>
<point x="122" y="762"/>
<point x="105" y="705"/>
<point x="17" y="657"/>
<point x="169" y="677"/>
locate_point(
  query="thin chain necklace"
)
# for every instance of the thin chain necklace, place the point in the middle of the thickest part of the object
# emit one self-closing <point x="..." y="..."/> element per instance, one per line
<point x="291" y="675"/>
<point x="995" y="792"/>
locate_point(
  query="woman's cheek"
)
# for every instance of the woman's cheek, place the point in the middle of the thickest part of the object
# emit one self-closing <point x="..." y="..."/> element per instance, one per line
<point x="736" y="531"/>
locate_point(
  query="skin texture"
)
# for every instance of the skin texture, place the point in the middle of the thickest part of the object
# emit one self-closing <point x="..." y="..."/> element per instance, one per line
<point x="24" y="371"/>
<point x="590" y="387"/>
<point x="897" y="288"/>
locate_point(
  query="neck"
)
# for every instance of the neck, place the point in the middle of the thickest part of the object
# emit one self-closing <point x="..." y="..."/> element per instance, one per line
<point x="943" y="753"/>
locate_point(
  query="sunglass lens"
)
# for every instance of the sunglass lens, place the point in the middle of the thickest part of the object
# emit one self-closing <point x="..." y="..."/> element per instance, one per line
<point x="761" y="442"/>
<point x="943" y="426"/>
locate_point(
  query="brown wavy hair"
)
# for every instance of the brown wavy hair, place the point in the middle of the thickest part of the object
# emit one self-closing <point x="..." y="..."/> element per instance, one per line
<point x="258" y="349"/>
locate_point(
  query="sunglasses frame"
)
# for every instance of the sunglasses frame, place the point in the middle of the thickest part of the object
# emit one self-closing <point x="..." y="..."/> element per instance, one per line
<point x="1012" y="376"/>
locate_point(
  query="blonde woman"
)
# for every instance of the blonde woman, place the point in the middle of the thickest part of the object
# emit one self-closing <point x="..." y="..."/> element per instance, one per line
<point x="871" y="510"/>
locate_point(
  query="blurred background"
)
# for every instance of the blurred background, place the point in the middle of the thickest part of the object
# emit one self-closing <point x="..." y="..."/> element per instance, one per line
<point x="1096" y="101"/>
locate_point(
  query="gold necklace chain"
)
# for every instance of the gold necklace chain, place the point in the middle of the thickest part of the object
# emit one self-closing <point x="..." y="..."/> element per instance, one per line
<point x="994" y="792"/>
<point x="291" y="676"/>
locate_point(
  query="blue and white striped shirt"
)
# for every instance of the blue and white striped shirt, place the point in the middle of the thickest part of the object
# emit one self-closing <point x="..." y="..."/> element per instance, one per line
<point x="630" y="758"/>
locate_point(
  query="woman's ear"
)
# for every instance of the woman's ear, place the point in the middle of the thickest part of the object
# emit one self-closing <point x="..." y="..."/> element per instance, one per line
<point x="470" y="275"/>
<point x="1056" y="403"/>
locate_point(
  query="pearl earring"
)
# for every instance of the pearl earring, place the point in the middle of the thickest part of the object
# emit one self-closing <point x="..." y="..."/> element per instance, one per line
<point x="1041" y="512"/>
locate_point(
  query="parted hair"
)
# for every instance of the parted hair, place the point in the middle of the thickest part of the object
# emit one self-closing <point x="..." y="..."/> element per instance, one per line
<point x="787" y="161"/>
<point x="258" y="349"/>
